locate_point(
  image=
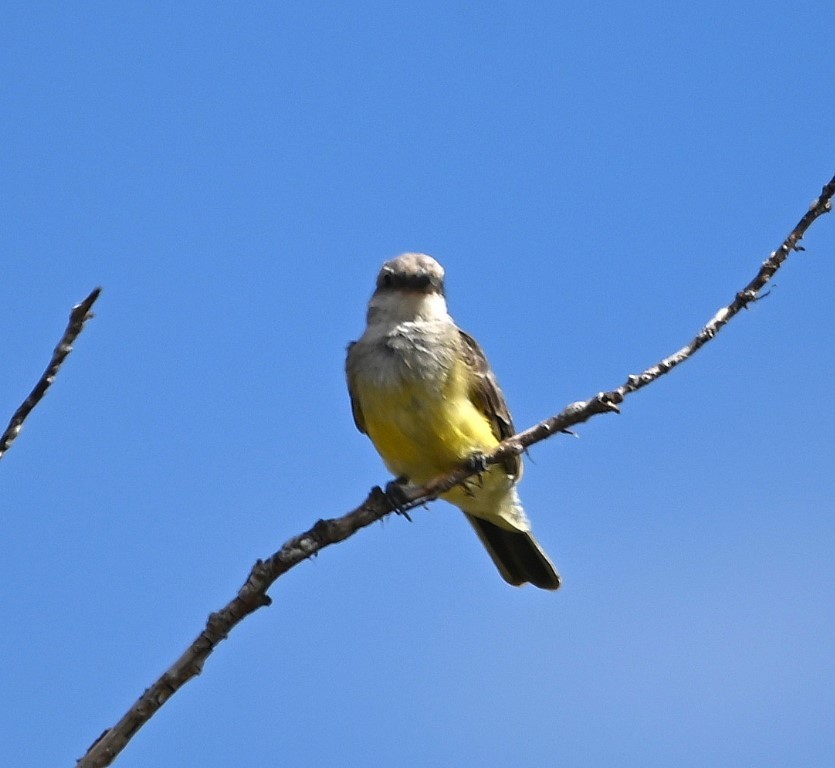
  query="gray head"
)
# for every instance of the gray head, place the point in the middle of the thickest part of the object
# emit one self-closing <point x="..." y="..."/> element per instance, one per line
<point x="411" y="272"/>
<point x="409" y="288"/>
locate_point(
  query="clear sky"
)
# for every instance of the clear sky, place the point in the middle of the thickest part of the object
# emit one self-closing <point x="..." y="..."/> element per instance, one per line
<point x="598" y="179"/>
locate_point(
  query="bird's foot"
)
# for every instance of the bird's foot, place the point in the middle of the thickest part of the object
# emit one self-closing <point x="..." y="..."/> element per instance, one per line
<point x="395" y="493"/>
<point x="476" y="463"/>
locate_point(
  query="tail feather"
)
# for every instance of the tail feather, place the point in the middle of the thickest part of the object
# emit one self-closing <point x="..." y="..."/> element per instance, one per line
<point x="517" y="555"/>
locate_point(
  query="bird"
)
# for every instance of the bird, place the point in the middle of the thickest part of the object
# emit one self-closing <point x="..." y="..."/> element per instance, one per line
<point x="423" y="391"/>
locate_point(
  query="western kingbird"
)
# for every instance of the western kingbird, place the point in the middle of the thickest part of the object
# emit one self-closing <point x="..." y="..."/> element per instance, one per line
<point x="423" y="391"/>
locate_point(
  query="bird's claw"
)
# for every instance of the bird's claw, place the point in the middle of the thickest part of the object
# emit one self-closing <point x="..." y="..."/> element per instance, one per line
<point x="476" y="462"/>
<point x="395" y="493"/>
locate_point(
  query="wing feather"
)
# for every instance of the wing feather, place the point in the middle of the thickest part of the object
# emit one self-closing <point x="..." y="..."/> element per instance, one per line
<point x="488" y="397"/>
<point x="359" y="419"/>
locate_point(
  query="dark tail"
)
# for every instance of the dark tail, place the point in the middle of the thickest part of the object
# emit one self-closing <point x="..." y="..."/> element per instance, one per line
<point x="517" y="555"/>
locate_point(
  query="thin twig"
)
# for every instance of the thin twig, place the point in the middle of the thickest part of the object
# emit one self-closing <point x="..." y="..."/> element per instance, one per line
<point x="253" y="594"/>
<point x="79" y="315"/>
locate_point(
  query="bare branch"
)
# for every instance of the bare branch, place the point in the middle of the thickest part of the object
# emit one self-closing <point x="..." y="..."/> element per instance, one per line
<point x="79" y="315"/>
<point x="253" y="594"/>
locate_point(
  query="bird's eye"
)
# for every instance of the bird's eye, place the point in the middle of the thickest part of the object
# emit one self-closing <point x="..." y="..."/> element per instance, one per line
<point x="387" y="280"/>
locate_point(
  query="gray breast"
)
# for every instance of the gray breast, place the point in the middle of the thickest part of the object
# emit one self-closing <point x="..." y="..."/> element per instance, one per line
<point x="413" y="350"/>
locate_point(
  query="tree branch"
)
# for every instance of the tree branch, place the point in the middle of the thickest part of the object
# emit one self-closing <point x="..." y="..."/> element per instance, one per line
<point x="79" y="315"/>
<point x="253" y="594"/>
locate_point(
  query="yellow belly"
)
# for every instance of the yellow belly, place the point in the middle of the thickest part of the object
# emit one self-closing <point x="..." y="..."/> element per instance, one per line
<point x="420" y="432"/>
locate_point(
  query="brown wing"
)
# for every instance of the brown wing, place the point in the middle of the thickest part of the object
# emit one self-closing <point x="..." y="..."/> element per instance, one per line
<point x="359" y="420"/>
<point x="487" y="396"/>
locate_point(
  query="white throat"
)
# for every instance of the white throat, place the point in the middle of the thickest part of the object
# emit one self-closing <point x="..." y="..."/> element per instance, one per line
<point x="389" y="308"/>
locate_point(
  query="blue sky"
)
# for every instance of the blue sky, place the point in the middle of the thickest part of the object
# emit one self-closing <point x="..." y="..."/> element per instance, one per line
<point x="597" y="181"/>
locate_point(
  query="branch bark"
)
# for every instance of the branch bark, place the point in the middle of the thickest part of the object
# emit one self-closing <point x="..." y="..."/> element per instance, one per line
<point x="79" y="315"/>
<point x="253" y="594"/>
